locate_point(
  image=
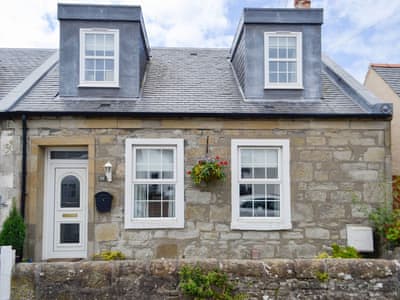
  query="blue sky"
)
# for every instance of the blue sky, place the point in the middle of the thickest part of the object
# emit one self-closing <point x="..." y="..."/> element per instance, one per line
<point x="355" y="32"/>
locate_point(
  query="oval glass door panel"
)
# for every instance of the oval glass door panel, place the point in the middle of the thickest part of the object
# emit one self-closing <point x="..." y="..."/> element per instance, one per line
<point x="70" y="192"/>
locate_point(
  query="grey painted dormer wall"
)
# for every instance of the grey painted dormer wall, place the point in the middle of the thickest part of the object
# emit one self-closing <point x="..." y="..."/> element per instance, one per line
<point x="133" y="47"/>
<point x="247" y="52"/>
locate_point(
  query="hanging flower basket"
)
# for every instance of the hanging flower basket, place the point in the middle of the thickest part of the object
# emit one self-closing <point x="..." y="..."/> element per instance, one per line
<point x="208" y="170"/>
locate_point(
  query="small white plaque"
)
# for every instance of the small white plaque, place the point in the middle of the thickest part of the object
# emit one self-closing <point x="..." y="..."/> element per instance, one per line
<point x="360" y="237"/>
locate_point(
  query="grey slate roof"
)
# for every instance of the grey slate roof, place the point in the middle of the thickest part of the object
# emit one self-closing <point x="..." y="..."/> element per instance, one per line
<point x="391" y="75"/>
<point x="182" y="83"/>
<point x="16" y="64"/>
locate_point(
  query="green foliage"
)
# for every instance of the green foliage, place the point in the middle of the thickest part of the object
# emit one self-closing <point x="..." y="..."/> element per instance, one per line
<point x="13" y="232"/>
<point x="194" y="282"/>
<point x="109" y="255"/>
<point x="344" y="252"/>
<point x="207" y="170"/>
<point x="340" y="252"/>
<point x="322" y="276"/>
<point x="384" y="218"/>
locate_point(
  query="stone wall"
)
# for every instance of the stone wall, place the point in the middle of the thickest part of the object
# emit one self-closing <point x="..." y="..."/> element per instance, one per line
<point x="9" y="176"/>
<point x="332" y="162"/>
<point x="268" y="279"/>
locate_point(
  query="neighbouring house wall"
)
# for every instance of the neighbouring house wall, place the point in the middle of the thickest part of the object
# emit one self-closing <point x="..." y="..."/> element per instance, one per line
<point x="267" y="279"/>
<point x="382" y="90"/>
<point x="332" y="162"/>
<point x="9" y="166"/>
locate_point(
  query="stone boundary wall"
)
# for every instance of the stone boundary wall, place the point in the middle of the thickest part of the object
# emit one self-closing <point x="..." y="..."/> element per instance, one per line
<point x="158" y="279"/>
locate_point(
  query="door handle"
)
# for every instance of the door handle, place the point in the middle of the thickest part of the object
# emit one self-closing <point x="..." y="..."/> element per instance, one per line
<point x="75" y="215"/>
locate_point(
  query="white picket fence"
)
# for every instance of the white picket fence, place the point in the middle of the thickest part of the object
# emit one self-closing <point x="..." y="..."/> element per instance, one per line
<point x="7" y="261"/>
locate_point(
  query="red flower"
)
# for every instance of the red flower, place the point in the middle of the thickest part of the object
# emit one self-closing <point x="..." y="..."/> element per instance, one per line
<point x="189" y="172"/>
<point x="217" y="157"/>
<point x="225" y="163"/>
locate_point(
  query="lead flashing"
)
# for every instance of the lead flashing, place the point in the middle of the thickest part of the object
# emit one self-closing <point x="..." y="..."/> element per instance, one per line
<point x="99" y="12"/>
<point x="354" y="89"/>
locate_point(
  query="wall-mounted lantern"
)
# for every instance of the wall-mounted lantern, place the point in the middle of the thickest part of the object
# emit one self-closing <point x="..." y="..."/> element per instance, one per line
<point x="108" y="171"/>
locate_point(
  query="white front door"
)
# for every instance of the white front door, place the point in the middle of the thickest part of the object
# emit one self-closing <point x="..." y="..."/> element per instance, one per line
<point x="65" y="204"/>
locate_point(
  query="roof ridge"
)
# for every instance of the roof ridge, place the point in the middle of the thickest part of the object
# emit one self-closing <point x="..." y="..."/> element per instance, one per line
<point x="385" y="65"/>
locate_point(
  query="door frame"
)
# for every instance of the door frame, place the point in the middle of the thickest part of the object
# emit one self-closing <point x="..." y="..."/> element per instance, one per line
<point x="49" y="181"/>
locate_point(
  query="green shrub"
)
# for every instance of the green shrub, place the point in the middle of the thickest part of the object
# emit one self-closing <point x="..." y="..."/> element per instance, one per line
<point x="109" y="255"/>
<point x="13" y="232"/>
<point x="194" y="282"/>
<point x="340" y="252"/>
<point x="322" y="276"/>
<point x="344" y="252"/>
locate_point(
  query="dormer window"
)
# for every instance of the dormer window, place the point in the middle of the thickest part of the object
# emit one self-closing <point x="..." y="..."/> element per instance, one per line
<point x="99" y="49"/>
<point x="283" y="60"/>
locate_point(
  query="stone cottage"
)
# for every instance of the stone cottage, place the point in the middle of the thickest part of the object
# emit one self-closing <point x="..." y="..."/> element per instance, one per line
<point x="108" y="113"/>
<point x="384" y="81"/>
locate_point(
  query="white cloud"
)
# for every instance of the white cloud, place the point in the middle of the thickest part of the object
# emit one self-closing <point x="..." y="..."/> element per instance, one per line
<point x="355" y="33"/>
<point x="26" y="24"/>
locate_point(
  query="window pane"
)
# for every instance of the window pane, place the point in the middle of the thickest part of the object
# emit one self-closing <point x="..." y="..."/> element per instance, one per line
<point x="99" y="75"/>
<point x="246" y="201"/>
<point x="140" y="192"/>
<point x="68" y="154"/>
<point x="282" y="67"/>
<point x="109" y="45"/>
<point x="273" y="66"/>
<point x="109" y="75"/>
<point x="273" y="77"/>
<point x="70" y="192"/>
<point x="259" y="208"/>
<point x="140" y="209"/>
<point x="273" y="209"/>
<point x="259" y="157"/>
<point x="292" y="66"/>
<point x="168" y="209"/>
<point x="99" y="44"/>
<point x="259" y="192"/>
<point x="69" y="233"/>
<point x="282" y="77"/>
<point x="291" y="42"/>
<point x="109" y="64"/>
<point x="154" y="209"/>
<point x="273" y="53"/>
<point x="259" y="172"/>
<point x="273" y="192"/>
<point x="168" y="192"/>
<point x="273" y="41"/>
<point x="99" y="64"/>
<point x="154" y="191"/>
<point x="89" y="75"/>
<point x="283" y="42"/>
<point x="168" y="163"/>
<point x="89" y="43"/>
<point x="89" y="64"/>
<point x="292" y="77"/>
<point x="245" y="157"/>
<point x="246" y="173"/>
<point x="292" y="53"/>
<point x="282" y="53"/>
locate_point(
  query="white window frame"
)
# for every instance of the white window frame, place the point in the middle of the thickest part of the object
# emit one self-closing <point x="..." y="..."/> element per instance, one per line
<point x="82" y="67"/>
<point x="283" y="222"/>
<point x="299" y="59"/>
<point x="148" y="223"/>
